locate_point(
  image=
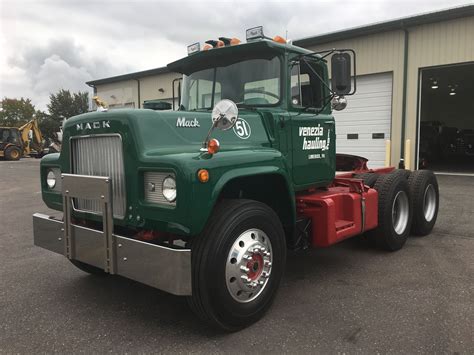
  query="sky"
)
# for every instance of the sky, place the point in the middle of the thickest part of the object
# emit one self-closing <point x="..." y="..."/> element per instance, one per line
<point x="48" y="45"/>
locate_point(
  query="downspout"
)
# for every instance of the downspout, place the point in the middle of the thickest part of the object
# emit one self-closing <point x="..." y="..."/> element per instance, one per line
<point x="138" y="92"/>
<point x="401" y="164"/>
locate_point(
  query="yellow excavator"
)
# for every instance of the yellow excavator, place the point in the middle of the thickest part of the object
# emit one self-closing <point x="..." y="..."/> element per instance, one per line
<point x="17" y="142"/>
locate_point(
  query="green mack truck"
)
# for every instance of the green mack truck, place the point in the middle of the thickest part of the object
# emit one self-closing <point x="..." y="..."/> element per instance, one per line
<point x="204" y="201"/>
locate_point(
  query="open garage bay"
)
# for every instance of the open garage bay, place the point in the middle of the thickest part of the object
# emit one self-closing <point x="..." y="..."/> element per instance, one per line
<point x="446" y="142"/>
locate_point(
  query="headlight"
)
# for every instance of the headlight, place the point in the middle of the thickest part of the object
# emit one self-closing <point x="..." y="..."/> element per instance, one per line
<point x="169" y="189"/>
<point x="51" y="179"/>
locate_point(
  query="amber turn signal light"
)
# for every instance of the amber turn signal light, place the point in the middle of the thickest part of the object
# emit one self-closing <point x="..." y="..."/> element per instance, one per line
<point x="213" y="146"/>
<point x="279" y="39"/>
<point x="203" y="175"/>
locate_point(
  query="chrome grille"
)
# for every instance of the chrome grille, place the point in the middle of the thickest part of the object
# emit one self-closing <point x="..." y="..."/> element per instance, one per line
<point x="155" y="194"/>
<point x="100" y="155"/>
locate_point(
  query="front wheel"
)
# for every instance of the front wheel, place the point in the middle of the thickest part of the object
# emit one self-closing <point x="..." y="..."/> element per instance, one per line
<point x="237" y="264"/>
<point x="12" y="153"/>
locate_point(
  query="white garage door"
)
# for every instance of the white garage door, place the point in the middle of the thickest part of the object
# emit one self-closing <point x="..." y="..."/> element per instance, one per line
<point x="364" y="126"/>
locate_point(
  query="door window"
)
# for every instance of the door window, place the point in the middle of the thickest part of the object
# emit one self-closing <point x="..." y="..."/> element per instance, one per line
<point x="307" y="89"/>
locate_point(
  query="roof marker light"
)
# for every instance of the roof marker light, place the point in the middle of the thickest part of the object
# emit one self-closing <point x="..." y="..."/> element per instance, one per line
<point x="255" y="33"/>
<point x="194" y="48"/>
<point x="212" y="42"/>
<point x="279" y="39"/>
<point x="234" y="41"/>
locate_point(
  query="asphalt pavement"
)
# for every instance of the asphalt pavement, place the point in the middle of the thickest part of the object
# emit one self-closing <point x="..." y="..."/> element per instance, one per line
<point x="349" y="298"/>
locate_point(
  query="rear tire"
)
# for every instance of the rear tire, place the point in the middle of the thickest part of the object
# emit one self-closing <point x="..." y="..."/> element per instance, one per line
<point x="394" y="212"/>
<point x="401" y="172"/>
<point x="369" y="179"/>
<point x="12" y="153"/>
<point x="88" y="268"/>
<point x="425" y="201"/>
<point x="242" y="234"/>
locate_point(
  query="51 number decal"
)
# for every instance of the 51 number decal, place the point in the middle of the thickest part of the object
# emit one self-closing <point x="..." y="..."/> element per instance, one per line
<point x="242" y="129"/>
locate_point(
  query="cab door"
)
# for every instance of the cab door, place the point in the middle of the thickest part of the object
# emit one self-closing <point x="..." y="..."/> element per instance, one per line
<point x="313" y="135"/>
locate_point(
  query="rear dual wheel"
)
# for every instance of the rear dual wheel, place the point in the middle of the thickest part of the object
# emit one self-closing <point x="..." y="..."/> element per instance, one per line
<point x="394" y="212"/>
<point x="369" y="179"/>
<point x="237" y="264"/>
<point x="407" y="202"/>
<point x="425" y="201"/>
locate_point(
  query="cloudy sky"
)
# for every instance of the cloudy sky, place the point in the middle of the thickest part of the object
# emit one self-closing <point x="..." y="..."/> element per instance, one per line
<point x="47" y="45"/>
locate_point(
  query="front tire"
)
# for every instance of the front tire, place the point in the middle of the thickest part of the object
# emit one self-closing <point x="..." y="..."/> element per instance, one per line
<point x="12" y="153"/>
<point x="237" y="264"/>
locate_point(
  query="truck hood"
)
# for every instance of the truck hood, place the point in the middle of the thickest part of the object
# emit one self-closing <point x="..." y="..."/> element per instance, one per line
<point x="169" y="132"/>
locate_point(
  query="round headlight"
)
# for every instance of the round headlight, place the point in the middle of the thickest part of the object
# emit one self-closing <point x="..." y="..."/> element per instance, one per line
<point x="51" y="179"/>
<point x="169" y="189"/>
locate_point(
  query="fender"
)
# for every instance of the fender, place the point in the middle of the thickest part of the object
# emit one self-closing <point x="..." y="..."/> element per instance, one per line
<point x="200" y="220"/>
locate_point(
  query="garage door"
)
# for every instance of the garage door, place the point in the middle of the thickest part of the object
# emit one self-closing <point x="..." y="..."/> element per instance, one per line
<point x="364" y="126"/>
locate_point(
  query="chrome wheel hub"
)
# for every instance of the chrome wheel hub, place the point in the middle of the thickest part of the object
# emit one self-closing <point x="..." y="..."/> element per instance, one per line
<point x="249" y="265"/>
<point x="429" y="203"/>
<point x="400" y="212"/>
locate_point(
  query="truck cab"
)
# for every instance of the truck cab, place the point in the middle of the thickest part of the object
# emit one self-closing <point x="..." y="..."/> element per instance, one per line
<point x="204" y="201"/>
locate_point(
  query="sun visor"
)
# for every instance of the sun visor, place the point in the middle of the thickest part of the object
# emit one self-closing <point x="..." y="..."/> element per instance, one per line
<point x="221" y="57"/>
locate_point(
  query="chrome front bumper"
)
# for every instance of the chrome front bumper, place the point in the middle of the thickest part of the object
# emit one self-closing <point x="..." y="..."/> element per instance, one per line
<point x="165" y="268"/>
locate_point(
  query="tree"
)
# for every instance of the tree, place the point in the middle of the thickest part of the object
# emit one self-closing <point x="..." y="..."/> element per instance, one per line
<point x="16" y="112"/>
<point x="63" y="104"/>
<point x="47" y="125"/>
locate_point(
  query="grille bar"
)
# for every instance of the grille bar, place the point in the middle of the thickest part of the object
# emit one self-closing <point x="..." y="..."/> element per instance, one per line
<point x="100" y="155"/>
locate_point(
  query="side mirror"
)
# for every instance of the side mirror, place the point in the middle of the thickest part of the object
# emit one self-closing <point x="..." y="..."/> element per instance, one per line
<point x="338" y="103"/>
<point x="341" y="73"/>
<point x="224" y="114"/>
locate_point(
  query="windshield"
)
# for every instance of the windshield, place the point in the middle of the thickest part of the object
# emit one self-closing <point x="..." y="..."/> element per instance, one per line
<point x="252" y="82"/>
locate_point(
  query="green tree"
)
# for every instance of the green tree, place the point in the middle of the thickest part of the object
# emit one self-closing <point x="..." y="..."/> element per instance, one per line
<point x="63" y="104"/>
<point x="47" y="125"/>
<point x="16" y="112"/>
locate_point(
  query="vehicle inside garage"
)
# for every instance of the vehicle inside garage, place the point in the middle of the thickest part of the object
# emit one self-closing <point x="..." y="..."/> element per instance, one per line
<point x="446" y="140"/>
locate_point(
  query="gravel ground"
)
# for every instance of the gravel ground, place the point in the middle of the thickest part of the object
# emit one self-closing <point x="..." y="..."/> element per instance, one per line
<point x="349" y="298"/>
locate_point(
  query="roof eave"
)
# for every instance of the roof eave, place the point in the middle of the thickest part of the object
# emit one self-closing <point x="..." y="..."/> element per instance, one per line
<point x="398" y="24"/>
<point x="130" y="76"/>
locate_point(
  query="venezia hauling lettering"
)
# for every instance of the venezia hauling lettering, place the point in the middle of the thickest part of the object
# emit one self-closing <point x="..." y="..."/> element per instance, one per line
<point x="312" y="138"/>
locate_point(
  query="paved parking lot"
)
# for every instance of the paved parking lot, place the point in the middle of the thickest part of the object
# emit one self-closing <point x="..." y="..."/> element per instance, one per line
<point x="349" y="298"/>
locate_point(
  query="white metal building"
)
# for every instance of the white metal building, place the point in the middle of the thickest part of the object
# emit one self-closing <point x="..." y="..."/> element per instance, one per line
<point x="415" y="90"/>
